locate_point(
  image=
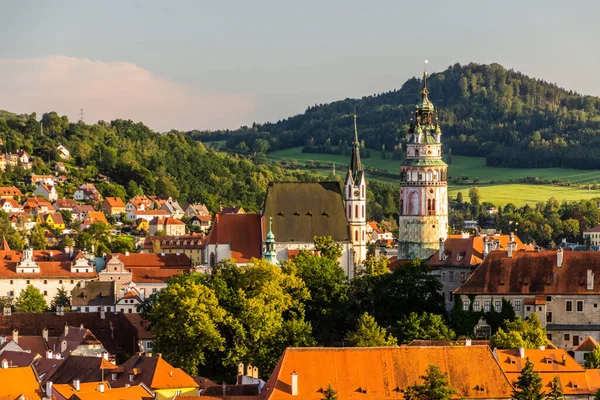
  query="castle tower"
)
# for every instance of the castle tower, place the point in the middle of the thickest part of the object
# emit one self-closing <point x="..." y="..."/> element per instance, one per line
<point x="423" y="204"/>
<point x="270" y="254"/>
<point x="356" y="201"/>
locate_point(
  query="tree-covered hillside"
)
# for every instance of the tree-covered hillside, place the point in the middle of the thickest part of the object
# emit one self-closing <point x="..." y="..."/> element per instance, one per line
<point x="512" y="119"/>
<point x="137" y="161"/>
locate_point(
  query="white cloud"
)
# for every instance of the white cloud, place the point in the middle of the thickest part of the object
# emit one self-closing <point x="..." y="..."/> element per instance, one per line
<point x="111" y="90"/>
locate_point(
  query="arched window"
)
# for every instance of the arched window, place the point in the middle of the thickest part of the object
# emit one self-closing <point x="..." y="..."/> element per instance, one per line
<point x="356" y="235"/>
<point x="433" y="206"/>
<point x="349" y="191"/>
<point x="349" y="211"/>
<point x="363" y="235"/>
<point x="356" y="211"/>
<point x="363" y="211"/>
<point x="363" y="190"/>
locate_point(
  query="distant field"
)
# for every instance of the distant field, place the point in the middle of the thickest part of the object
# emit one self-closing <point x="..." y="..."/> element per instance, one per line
<point x="474" y="167"/>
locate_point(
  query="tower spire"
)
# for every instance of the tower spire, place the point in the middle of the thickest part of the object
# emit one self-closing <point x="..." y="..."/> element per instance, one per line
<point x="425" y="91"/>
<point x="355" y="165"/>
<point x="355" y="129"/>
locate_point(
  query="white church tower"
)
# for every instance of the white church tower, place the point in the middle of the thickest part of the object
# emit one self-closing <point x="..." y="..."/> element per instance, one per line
<point x="423" y="204"/>
<point x="356" y="202"/>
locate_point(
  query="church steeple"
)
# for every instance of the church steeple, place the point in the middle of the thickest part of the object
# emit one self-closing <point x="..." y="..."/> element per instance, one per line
<point x="270" y="254"/>
<point x="355" y="165"/>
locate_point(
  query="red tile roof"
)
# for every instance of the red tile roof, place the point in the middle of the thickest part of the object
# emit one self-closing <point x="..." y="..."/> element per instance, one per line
<point x="593" y="230"/>
<point x="154" y="275"/>
<point x="142" y="326"/>
<point x="384" y="372"/>
<point x="241" y="232"/>
<point x="114" y="202"/>
<point x="468" y="251"/>
<point x="143" y="260"/>
<point x="155" y="373"/>
<point x="166" y="221"/>
<point x="17" y="382"/>
<point x="588" y="344"/>
<point x="60" y="266"/>
<point x="150" y="212"/>
<point x="534" y="273"/>
<point x="10" y="191"/>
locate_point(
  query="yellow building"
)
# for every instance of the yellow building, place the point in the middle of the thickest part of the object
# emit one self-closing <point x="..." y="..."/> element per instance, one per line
<point x="54" y="220"/>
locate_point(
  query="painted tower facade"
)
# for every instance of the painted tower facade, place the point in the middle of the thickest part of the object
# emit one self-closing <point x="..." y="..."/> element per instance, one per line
<point x="356" y="202"/>
<point x="423" y="204"/>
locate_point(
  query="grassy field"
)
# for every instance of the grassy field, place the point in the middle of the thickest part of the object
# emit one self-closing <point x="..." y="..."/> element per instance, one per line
<point x="474" y="167"/>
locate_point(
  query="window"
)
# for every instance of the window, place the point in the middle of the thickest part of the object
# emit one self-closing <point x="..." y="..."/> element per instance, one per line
<point x="154" y="290"/>
<point x="363" y="211"/>
<point x="579" y="305"/>
<point x="486" y="306"/>
<point x="60" y="281"/>
<point x="28" y="281"/>
<point x="149" y="345"/>
<point x="476" y="305"/>
<point x="517" y="305"/>
<point x="129" y="310"/>
<point x="45" y="282"/>
<point x="45" y="293"/>
<point x="465" y="305"/>
<point x="569" y="305"/>
<point x="548" y="317"/>
<point x="498" y="306"/>
<point x="548" y="299"/>
<point x="451" y="276"/>
<point x="76" y="269"/>
<point x="462" y="276"/>
<point x="575" y="340"/>
<point x="72" y="281"/>
<point x="450" y="297"/>
<point x="528" y="308"/>
<point x="549" y="336"/>
<point x="443" y="276"/>
<point x="87" y="309"/>
<point x="11" y="281"/>
<point x="108" y="309"/>
<point x="567" y="337"/>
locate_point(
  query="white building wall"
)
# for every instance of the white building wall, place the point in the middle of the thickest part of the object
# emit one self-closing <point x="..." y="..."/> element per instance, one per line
<point x="47" y="286"/>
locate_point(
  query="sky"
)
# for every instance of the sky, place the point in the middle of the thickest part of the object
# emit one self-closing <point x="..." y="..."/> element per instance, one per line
<point x="195" y="64"/>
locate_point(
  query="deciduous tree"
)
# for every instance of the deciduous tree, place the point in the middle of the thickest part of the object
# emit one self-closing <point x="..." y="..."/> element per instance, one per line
<point x="31" y="301"/>
<point x="426" y="326"/>
<point x="369" y="334"/>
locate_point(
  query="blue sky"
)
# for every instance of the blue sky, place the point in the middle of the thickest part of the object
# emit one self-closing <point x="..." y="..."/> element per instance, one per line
<point x="220" y="64"/>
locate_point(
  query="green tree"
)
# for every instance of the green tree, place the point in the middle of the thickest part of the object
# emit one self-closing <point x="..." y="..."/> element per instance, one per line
<point x="592" y="359"/>
<point x="327" y="247"/>
<point x="519" y="333"/>
<point x="556" y="392"/>
<point x="37" y="238"/>
<point x="330" y="393"/>
<point x="61" y="298"/>
<point x="434" y="387"/>
<point x="66" y="242"/>
<point x="474" y="196"/>
<point x="597" y="395"/>
<point x="369" y="334"/>
<point x="377" y="265"/>
<point x="426" y="326"/>
<point x="31" y="301"/>
<point x="185" y="318"/>
<point x="529" y="384"/>
<point x="122" y="244"/>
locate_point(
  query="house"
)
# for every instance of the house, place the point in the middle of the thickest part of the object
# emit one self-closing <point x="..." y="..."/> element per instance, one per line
<point x="46" y="179"/>
<point x="191" y="210"/>
<point x="129" y="302"/>
<point x="113" y="206"/>
<point x="144" y="333"/>
<point x="98" y="390"/>
<point x="59" y="167"/>
<point x="138" y="203"/>
<point x="46" y="270"/>
<point x="164" y="380"/>
<point x="173" y="208"/>
<point x="66" y="205"/>
<point x="582" y="351"/>
<point x="379" y="235"/>
<point x="576" y="381"/>
<point x="83" y="369"/>
<point x="559" y="286"/>
<point x="202" y="222"/>
<point x="93" y="297"/>
<point x="7" y="192"/>
<point x="384" y="372"/>
<point x="54" y="220"/>
<point x="91" y="217"/>
<point x="63" y="152"/>
<point x="10" y="206"/>
<point x="171" y="226"/>
<point x="470" y="224"/>
<point x="231" y="210"/>
<point x="459" y="255"/>
<point x="22" y="222"/>
<point x="299" y="211"/>
<point x="233" y="236"/>
<point x="37" y="205"/>
<point x="80" y="211"/>
<point x="192" y="245"/>
<point x="148" y="215"/>
<point x="19" y="383"/>
<point x="141" y="224"/>
<point x="592" y="236"/>
<point x="88" y="193"/>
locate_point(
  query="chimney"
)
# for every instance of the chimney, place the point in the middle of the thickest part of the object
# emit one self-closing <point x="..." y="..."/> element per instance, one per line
<point x="15" y="336"/>
<point x="49" y="353"/>
<point x="255" y="372"/>
<point x="126" y="253"/>
<point x="240" y="369"/>
<point x="76" y="384"/>
<point x="467" y="341"/>
<point x="522" y="352"/>
<point x="105" y="355"/>
<point x="2" y="339"/>
<point x="102" y="313"/>
<point x="101" y="387"/>
<point x="441" y="253"/>
<point x="590" y="280"/>
<point x="45" y="334"/>
<point x="4" y="363"/>
<point x="486" y="248"/>
<point x="82" y="284"/>
<point x="63" y="346"/>
<point x="49" y="389"/>
<point x="294" y="384"/>
<point x="51" y="255"/>
<point x="559" y="257"/>
<point x="564" y="359"/>
<point x="224" y="389"/>
<point x="81" y="326"/>
<point x="510" y="250"/>
<point x="542" y="347"/>
<point x="66" y="329"/>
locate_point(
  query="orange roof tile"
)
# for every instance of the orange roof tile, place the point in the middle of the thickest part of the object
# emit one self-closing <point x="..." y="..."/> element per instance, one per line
<point x="150" y="212"/>
<point x="384" y="372"/>
<point x="468" y="251"/>
<point x="155" y="373"/>
<point x="19" y="381"/>
<point x="59" y="266"/>
<point x="241" y="232"/>
<point x="10" y="191"/>
<point x="95" y="216"/>
<point x="114" y="202"/>
<point x="588" y="344"/>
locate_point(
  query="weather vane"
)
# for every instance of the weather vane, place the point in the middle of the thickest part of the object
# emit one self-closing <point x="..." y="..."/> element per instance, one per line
<point x="426" y="62"/>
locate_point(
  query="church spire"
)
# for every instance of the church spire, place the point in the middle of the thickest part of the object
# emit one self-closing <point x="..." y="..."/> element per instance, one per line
<point x="355" y="165"/>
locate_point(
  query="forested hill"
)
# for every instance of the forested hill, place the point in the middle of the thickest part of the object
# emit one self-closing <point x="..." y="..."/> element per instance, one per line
<point x="514" y="120"/>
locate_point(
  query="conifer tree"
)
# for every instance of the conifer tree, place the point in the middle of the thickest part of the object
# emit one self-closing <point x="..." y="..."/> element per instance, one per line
<point x="434" y="386"/>
<point x="61" y="299"/>
<point x="529" y="384"/>
<point x="369" y="334"/>
<point x="330" y="393"/>
<point x="556" y="393"/>
<point x="597" y="395"/>
<point x="593" y="359"/>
